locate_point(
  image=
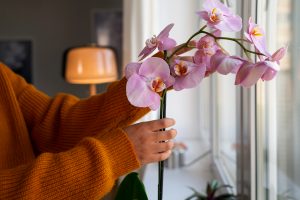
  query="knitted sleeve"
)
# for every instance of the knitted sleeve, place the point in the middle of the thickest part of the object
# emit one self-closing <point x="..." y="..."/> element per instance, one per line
<point x="59" y="123"/>
<point x="87" y="171"/>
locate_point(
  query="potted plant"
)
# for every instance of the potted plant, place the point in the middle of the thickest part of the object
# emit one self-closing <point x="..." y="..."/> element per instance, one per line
<point x="212" y="192"/>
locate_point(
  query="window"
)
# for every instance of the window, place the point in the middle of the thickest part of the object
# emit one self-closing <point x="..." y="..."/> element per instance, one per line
<point x="225" y="120"/>
<point x="252" y="135"/>
<point x="280" y="149"/>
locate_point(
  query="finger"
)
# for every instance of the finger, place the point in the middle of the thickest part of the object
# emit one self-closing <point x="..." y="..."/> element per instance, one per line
<point x="163" y="155"/>
<point x="159" y="136"/>
<point x="157" y="157"/>
<point x="158" y="124"/>
<point x="163" y="146"/>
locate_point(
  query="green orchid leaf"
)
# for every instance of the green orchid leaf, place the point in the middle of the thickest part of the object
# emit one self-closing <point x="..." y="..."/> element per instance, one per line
<point x="131" y="188"/>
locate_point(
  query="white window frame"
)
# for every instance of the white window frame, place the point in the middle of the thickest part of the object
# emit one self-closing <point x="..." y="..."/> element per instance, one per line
<point x="246" y="129"/>
<point x="266" y="112"/>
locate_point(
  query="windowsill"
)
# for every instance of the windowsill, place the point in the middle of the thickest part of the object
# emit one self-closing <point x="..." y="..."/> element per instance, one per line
<point x="177" y="181"/>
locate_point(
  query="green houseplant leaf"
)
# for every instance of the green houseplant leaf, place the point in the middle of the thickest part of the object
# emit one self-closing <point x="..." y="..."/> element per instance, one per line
<point x="131" y="188"/>
<point x="211" y="189"/>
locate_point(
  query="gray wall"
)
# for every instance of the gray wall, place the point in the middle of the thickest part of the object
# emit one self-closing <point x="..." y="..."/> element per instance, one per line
<point x="53" y="26"/>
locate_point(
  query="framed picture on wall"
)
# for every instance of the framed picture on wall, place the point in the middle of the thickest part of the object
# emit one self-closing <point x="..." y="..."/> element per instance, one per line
<point x="107" y="30"/>
<point x="17" y="54"/>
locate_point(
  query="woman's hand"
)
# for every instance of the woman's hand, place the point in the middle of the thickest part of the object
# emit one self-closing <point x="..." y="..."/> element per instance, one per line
<point x="151" y="144"/>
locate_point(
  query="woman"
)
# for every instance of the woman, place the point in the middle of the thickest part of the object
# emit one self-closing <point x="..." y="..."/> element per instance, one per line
<point x="66" y="148"/>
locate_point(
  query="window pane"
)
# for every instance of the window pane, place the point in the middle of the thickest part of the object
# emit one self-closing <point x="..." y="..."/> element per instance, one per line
<point x="226" y="111"/>
<point x="225" y="121"/>
<point x="288" y="102"/>
<point x="287" y="135"/>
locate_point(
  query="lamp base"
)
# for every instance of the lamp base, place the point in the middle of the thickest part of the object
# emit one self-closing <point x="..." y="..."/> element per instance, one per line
<point x="93" y="89"/>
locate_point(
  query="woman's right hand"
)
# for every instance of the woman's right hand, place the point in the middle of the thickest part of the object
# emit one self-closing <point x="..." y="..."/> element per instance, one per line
<point x="151" y="144"/>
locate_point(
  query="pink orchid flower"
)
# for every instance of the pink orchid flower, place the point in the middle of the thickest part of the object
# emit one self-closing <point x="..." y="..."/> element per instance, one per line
<point x="162" y="42"/>
<point x="225" y="64"/>
<point x="207" y="47"/>
<point x="256" y="35"/>
<point x="275" y="59"/>
<point x="250" y="73"/>
<point x="187" y="74"/>
<point x="218" y="16"/>
<point x="146" y="80"/>
<point x="207" y="44"/>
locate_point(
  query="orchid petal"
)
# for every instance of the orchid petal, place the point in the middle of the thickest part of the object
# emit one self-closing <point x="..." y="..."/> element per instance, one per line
<point x="166" y="44"/>
<point x="225" y="64"/>
<point x="155" y="67"/>
<point x="192" y="79"/>
<point x="243" y="72"/>
<point x="260" y="45"/>
<point x="269" y="74"/>
<point x="237" y="63"/>
<point x="232" y="23"/>
<point x="229" y="65"/>
<point x="199" y="58"/>
<point x="145" y="52"/>
<point x="208" y="5"/>
<point x="217" y="33"/>
<point x="131" y="69"/>
<point x="272" y="65"/>
<point x="203" y="15"/>
<point x="255" y="73"/>
<point x="278" y="55"/>
<point x="169" y="81"/>
<point x="155" y="105"/>
<point x="165" y="32"/>
<point x="216" y="60"/>
<point x="139" y="94"/>
<point x="248" y="36"/>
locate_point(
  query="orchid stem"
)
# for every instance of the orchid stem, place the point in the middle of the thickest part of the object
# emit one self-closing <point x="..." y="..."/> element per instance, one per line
<point x="166" y="55"/>
<point x="162" y="114"/>
<point x="235" y="40"/>
<point x="238" y="41"/>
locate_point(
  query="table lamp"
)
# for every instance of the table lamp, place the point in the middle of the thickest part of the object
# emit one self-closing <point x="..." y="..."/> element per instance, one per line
<point x="91" y="65"/>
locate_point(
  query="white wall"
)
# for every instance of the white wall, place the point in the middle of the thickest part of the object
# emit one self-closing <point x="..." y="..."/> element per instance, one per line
<point x="182" y="105"/>
<point x="53" y="26"/>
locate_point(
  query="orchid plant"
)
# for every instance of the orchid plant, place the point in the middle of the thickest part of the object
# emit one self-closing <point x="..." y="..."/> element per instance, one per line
<point x="151" y="77"/>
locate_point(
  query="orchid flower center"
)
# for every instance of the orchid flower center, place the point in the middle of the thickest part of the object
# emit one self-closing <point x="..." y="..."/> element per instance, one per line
<point x="256" y="32"/>
<point x="181" y="69"/>
<point x="215" y="15"/>
<point x="157" y="84"/>
<point x="152" y="42"/>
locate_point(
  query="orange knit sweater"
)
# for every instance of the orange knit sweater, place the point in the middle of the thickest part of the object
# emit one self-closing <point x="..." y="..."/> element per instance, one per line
<point x="62" y="147"/>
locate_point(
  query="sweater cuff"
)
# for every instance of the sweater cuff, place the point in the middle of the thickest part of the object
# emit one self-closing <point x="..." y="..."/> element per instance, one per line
<point x="123" y="158"/>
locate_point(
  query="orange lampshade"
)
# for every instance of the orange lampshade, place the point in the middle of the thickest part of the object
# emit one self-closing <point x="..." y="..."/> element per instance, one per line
<point x="91" y="65"/>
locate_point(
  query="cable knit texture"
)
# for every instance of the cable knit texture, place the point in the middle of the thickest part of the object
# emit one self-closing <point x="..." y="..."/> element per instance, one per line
<point x="62" y="147"/>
